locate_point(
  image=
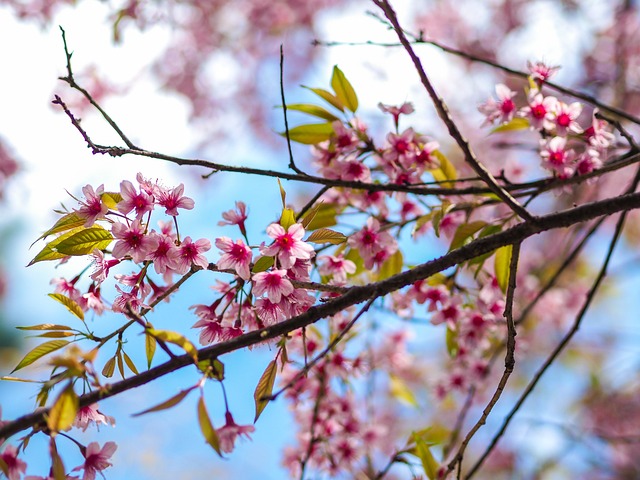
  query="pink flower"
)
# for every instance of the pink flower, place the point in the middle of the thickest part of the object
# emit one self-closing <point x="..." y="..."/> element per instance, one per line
<point x="237" y="256"/>
<point x="96" y="459"/>
<point x="91" y="414"/>
<point x="556" y="157"/>
<point x="541" y="71"/>
<point x="565" y="118"/>
<point x="93" y="300"/>
<point x="15" y="466"/>
<point x="503" y="109"/>
<point x="274" y="284"/>
<point x="132" y="240"/>
<point x="92" y="208"/>
<point x="228" y="433"/>
<point x="101" y="266"/>
<point x="406" y="108"/>
<point x="540" y="110"/>
<point x="191" y="253"/>
<point x="132" y="200"/>
<point x="597" y="135"/>
<point x="235" y="217"/>
<point x="165" y="254"/>
<point x="269" y="313"/>
<point x="287" y="246"/>
<point x="171" y="200"/>
<point x="372" y="243"/>
<point x="338" y="267"/>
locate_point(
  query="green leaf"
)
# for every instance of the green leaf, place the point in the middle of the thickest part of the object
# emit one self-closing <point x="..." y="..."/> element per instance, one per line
<point x="120" y="362"/>
<point x="111" y="199"/>
<point x="129" y="362"/>
<point x="283" y="194"/>
<point x="501" y="266"/>
<point x="56" y="463"/>
<point x="176" y="339"/>
<point x="64" y="410"/>
<point x="171" y="402"/>
<point x="45" y="326"/>
<point x="343" y="89"/>
<point x="464" y="233"/>
<point x="327" y="97"/>
<point x="391" y="266"/>
<point x="64" y="223"/>
<point x="422" y="220"/>
<point x="71" y="305"/>
<point x="213" y="368"/>
<point x="452" y="342"/>
<point x="85" y="241"/>
<point x="439" y="214"/>
<point x="313" y="110"/>
<point x="401" y="391"/>
<point x="287" y="218"/>
<point x="447" y="171"/>
<point x="325" y="235"/>
<point x="40" y="351"/>
<point x="50" y="250"/>
<point x="311" y="133"/>
<point x="210" y="434"/>
<point x="264" y="388"/>
<point x="149" y="346"/>
<point x="263" y="264"/>
<point x="54" y="335"/>
<point x="518" y="123"/>
<point x="324" y="216"/>
<point x="429" y="463"/>
<point x="109" y="367"/>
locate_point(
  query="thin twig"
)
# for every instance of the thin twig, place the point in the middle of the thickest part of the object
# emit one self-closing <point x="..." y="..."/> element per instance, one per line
<point x="292" y="163"/>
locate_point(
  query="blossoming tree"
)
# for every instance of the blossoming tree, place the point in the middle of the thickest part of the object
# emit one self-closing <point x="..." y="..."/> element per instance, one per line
<point x="507" y="288"/>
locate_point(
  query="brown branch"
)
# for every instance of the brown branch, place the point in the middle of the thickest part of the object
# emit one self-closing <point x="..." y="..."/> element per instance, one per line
<point x="355" y="295"/>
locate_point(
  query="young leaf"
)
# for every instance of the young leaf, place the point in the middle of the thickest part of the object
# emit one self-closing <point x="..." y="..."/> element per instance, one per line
<point x="465" y="232"/>
<point x="149" y="346"/>
<point x="501" y="266"/>
<point x="63" y="412"/>
<point x="85" y="241"/>
<point x="176" y="339"/>
<point x="171" y="402"/>
<point x="120" y="363"/>
<point x="264" y="388"/>
<point x="313" y="110"/>
<point x="327" y="97"/>
<point x="518" y="123"/>
<point x="111" y="199"/>
<point x="321" y="216"/>
<point x="54" y="335"/>
<point x="109" y="367"/>
<point x="401" y="391"/>
<point x="71" y="305"/>
<point x="45" y="326"/>
<point x="283" y="194"/>
<point x="429" y="463"/>
<point x="446" y="171"/>
<point x="344" y="90"/>
<point x="287" y="218"/>
<point x="263" y="264"/>
<point x="392" y="266"/>
<point x="129" y="363"/>
<point x="325" y="235"/>
<point x="50" y="250"/>
<point x="66" y="222"/>
<point x="40" y="351"/>
<point x="452" y="342"/>
<point x="210" y="434"/>
<point x="310" y="134"/>
<point x="57" y="467"/>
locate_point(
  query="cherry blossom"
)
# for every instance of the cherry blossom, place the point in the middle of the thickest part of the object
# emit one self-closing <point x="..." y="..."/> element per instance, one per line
<point x="236" y="217"/>
<point x="90" y="414"/>
<point x="540" y="71"/>
<point x="273" y="283"/>
<point x="502" y="110"/>
<point x="92" y="208"/>
<point x="237" y="256"/>
<point x="287" y="245"/>
<point x="173" y="199"/>
<point x="565" y="117"/>
<point x="556" y="157"/>
<point x="15" y="466"/>
<point x="191" y="253"/>
<point x="540" y="111"/>
<point x="96" y="459"/>
<point x="133" y="240"/>
<point x="230" y="431"/>
<point x="141" y="202"/>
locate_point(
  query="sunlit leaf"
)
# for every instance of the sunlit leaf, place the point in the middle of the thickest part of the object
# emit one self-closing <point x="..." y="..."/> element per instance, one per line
<point x="429" y="463"/>
<point x="45" y="326"/>
<point x="210" y="434"/>
<point x="120" y="363"/>
<point x="311" y="134"/>
<point x="85" y="241"/>
<point x="176" y="339"/>
<point x="452" y="342"/>
<point x="63" y="412"/>
<point x="64" y="223"/>
<point x="50" y="251"/>
<point x="401" y="391"/>
<point x="439" y="215"/>
<point x="313" y="110"/>
<point x="111" y="199"/>
<point x="287" y="218"/>
<point x="16" y="379"/>
<point x="57" y="466"/>
<point x="518" y="123"/>
<point x="327" y="97"/>
<point x="40" y="351"/>
<point x="283" y="194"/>
<point x="325" y="235"/>
<point x="501" y="266"/>
<point x="129" y="363"/>
<point x="264" y="388"/>
<point x="323" y="217"/>
<point x="213" y="368"/>
<point x="464" y="233"/>
<point x="447" y="171"/>
<point x="344" y="90"/>
<point x="54" y="335"/>
<point x="263" y="264"/>
<point x="109" y="367"/>
<point x="171" y="402"/>
<point x="71" y="304"/>
<point x="391" y="266"/>
<point x="149" y="346"/>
